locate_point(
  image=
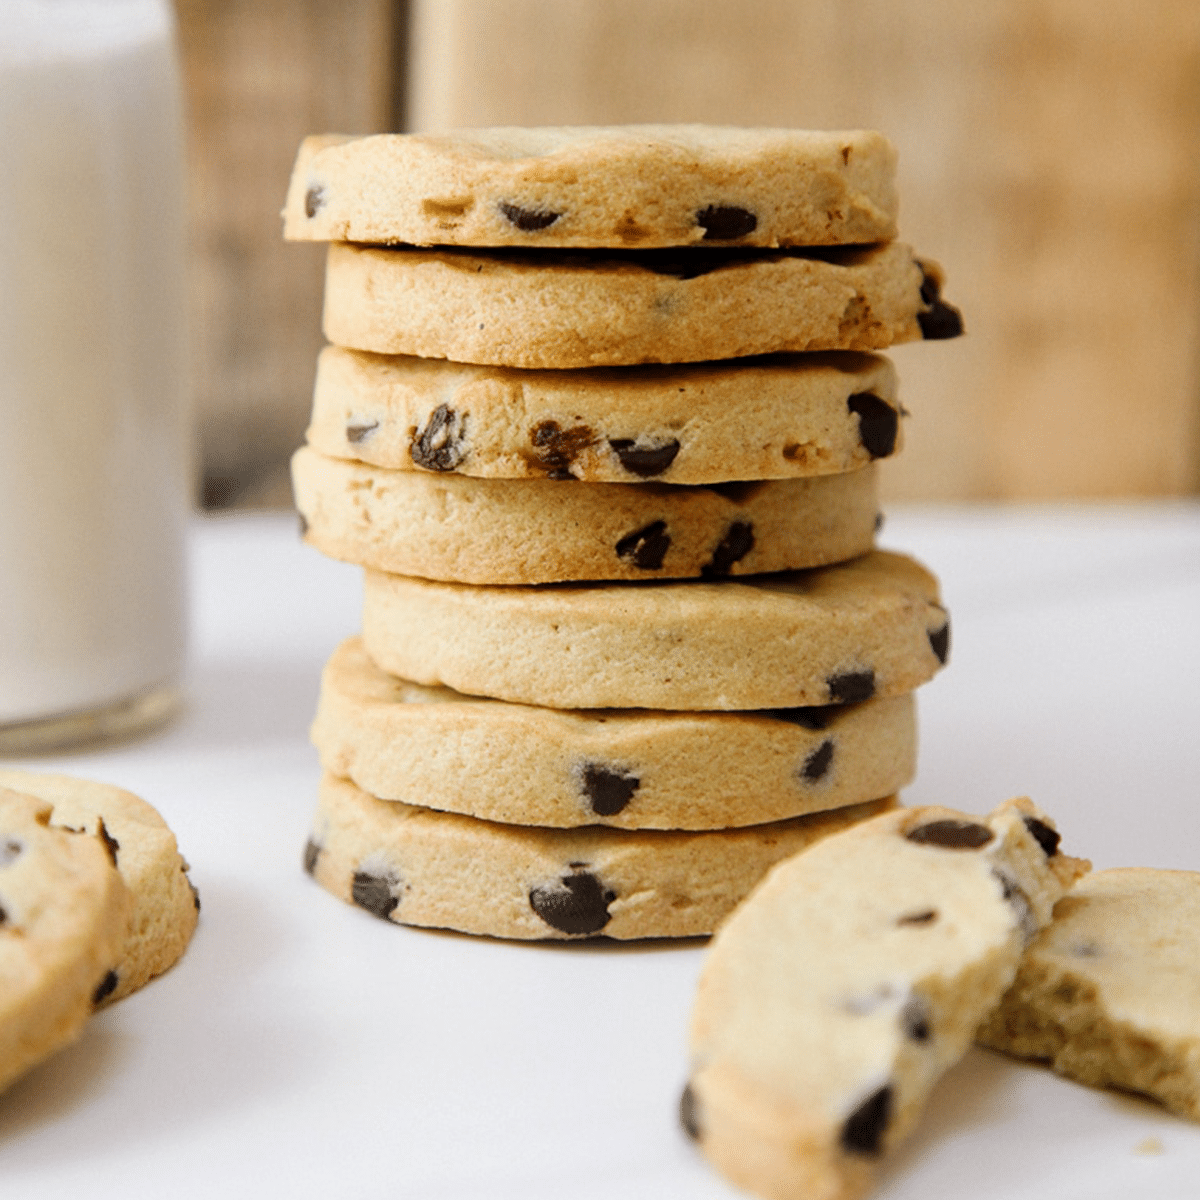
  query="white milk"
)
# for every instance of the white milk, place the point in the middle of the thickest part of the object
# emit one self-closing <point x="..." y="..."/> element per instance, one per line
<point x="94" y="465"/>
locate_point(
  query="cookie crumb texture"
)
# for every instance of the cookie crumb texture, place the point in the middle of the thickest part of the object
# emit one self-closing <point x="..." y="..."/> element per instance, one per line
<point x="63" y="914"/>
<point x="617" y="186"/>
<point x="832" y="1000"/>
<point x="1109" y="993"/>
<point x="414" y="866"/>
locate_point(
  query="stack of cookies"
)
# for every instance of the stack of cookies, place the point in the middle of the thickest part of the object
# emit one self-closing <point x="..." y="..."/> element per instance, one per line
<point x="599" y="420"/>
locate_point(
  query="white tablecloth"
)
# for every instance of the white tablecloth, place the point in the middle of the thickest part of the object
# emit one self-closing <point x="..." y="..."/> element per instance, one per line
<point x="304" y="1048"/>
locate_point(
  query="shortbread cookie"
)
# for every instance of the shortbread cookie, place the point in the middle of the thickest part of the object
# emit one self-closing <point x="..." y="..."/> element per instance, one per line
<point x="415" y="866"/>
<point x="1109" y="992"/>
<point x="165" y="905"/>
<point x="775" y="417"/>
<point x="465" y="530"/>
<point x="632" y="768"/>
<point x="869" y="627"/>
<point x="522" y="308"/>
<point x="857" y="973"/>
<point x="631" y="185"/>
<point x="63" y="912"/>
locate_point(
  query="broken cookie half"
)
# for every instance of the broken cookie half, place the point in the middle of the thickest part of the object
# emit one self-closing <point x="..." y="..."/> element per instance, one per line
<point x="850" y="980"/>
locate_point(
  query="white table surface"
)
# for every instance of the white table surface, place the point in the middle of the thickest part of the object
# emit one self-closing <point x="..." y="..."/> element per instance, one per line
<point x="305" y="1048"/>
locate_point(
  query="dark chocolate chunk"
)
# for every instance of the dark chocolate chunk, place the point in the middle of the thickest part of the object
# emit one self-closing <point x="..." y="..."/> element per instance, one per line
<point x="110" y="843"/>
<point x="644" y="461"/>
<point x="725" y="222"/>
<point x="815" y="716"/>
<point x="689" y="1116"/>
<point x="940" y="320"/>
<point x="849" y="687"/>
<point x="818" y="762"/>
<point x="375" y="892"/>
<point x="311" y="853"/>
<point x="864" y="1128"/>
<point x="10" y="851"/>
<point x="939" y="642"/>
<point x="556" y="448"/>
<point x="357" y="431"/>
<point x="1045" y="837"/>
<point x="914" y="1019"/>
<point x="732" y="548"/>
<point x="314" y="201"/>
<point x="608" y="791"/>
<point x="925" y="917"/>
<point x="528" y="220"/>
<point x="645" y="548"/>
<point x="951" y="834"/>
<point x="578" y="903"/>
<point x="441" y="445"/>
<point x="105" y="988"/>
<point x="878" y="423"/>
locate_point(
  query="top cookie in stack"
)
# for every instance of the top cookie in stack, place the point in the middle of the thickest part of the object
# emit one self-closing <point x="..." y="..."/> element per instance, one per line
<point x="679" y="319"/>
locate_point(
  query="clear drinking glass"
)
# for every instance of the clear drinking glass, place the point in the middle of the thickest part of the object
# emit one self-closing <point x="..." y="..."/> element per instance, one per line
<point x="95" y="473"/>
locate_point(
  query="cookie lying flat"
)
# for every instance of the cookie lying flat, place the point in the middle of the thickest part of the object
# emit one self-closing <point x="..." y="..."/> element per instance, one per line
<point x="521" y="308"/>
<point x="1109" y="992"/>
<point x="834" y="998"/>
<point x="777" y="417"/>
<point x="165" y="906"/>
<point x="63" y="911"/>
<point x="869" y="627"/>
<point x="455" y="528"/>
<point x="415" y="866"/>
<point x="633" y="185"/>
<point x="635" y="768"/>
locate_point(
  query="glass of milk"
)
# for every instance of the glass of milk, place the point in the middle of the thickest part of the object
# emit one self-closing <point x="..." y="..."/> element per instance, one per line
<point x="95" y="472"/>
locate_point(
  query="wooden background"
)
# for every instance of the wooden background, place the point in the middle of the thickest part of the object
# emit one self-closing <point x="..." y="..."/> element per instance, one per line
<point x="1050" y="159"/>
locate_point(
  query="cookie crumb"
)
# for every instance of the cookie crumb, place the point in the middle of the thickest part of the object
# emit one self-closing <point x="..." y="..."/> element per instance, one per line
<point x="1149" y="1145"/>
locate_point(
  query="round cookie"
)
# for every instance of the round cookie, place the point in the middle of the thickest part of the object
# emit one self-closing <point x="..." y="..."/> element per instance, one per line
<point x="63" y="910"/>
<point x="1109" y="992"/>
<point x="563" y="309"/>
<point x="849" y="981"/>
<point x="775" y="417"/>
<point x="871" y="626"/>
<point x="513" y="531"/>
<point x="630" y="768"/>
<point x="632" y="185"/>
<point x="415" y="866"/>
<point x="165" y="907"/>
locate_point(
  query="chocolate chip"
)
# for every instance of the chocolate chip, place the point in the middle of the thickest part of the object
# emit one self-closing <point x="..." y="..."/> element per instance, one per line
<point x="376" y="892"/>
<point x="556" y="448"/>
<point x="878" y="423"/>
<point x="724" y="222"/>
<point x="311" y="853"/>
<point x="314" y="201"/>
<point x="528" y="220"/>
<point x="608" y="791"/>
<point x="914" y="1019"/>
<point x="939" y="642"/>
<point x="357" y="431"/>
<point x="849" y="687"/>
<point x="689" y="1117"/>
<point x="813" y="716"/>
<point x="864" y="1128"/>
<point x="940" y="320"/>
<point x="3" y="916"/>
<point x="441" y="445"/>
<point x="951" y="834"/>
<point x="1045" y="837"/>
<point x="818" y="762"/>
<point x="1015" y="895"/>
<point x="578" y="903"/>
<point x="110" y="843"/>
<point x="925" y="917"/>
<point x="644" y="461"/>
<point x="645" y="548"/>
<point x="10" y="851"/>
<point x="878" y="521"/>
<point x="732" y="548"/>
<point x="105" y="988"/>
